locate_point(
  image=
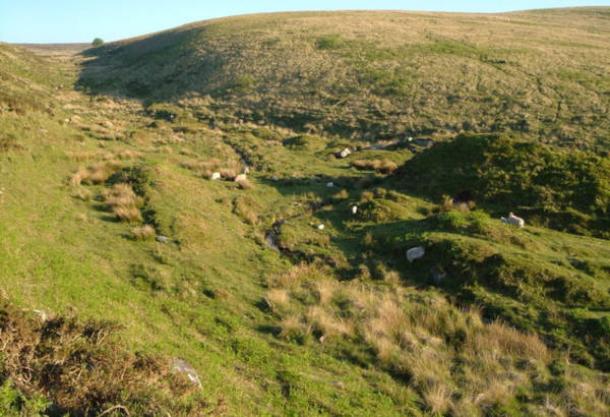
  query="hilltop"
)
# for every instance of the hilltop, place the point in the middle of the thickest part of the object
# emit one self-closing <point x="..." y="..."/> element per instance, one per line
<point x="382" y="74"/>
<point x="141" y="275"/>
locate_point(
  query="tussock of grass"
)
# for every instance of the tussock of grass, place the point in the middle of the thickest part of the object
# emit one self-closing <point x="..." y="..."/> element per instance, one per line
<point x="451" y="357"/>
<point x="124" y="202"/>
<point x="384" y="166"/>
<point x="145" y="232"/>
<point x="227" y="169"/>
<point x="95" y="174"/>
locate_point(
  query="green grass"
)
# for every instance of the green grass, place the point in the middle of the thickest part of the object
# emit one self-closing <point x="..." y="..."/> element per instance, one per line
<point x="207" y="294"/>
<point x="379" y="75"/>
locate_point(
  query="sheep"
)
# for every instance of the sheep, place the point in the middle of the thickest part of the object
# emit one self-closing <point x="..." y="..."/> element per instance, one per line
<point x="344" y="153"/>
<point x="354" y="210"/>
<point x="415" y="253"/>
<point x="215" y="176"/>
<point x="513" y="220"/>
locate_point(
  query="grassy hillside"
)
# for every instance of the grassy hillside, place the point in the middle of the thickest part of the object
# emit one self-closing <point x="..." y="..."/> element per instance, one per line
<point x="121" y="255"/>
<point x="382" y="74"/>
<point x="564" y="189"/>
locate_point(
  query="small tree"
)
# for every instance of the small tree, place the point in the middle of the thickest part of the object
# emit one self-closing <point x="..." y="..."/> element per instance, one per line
<point x="97" y="42"/>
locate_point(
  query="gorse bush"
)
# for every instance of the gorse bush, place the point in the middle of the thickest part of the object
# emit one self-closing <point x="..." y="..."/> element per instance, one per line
<point x="564" y="189"/>
<point x="65" y="367"/>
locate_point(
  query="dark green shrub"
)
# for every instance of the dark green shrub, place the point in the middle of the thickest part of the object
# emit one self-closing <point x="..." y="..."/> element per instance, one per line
<point x="565" y="190"/>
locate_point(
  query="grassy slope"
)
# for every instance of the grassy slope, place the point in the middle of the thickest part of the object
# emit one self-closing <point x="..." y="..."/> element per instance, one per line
<point x="205" y="296"/>
<point x="385" y="73"/>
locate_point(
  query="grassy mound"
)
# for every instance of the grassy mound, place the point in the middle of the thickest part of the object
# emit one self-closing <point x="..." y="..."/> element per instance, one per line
<point x="380" y="74"/>
<point x="561" y="189"/>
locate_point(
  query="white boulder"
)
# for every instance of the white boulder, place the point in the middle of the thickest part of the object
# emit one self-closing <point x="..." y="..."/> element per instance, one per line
<point x="215" y="176"/>
<point x="415" y="253"/>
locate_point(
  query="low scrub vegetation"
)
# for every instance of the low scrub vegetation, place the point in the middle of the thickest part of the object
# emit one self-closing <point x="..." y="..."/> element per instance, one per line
<point x="124" y="202"/>
<point x="458" y="363"/>
<point x="565" y="190"/>
<point x="55" y="366"/>
<point x="383" y="166"/>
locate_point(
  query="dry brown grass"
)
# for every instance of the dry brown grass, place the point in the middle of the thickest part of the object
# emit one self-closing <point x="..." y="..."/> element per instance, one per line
<point x="95" y="174"/>
<point x="448" y="204"/>
<point x="81" y="193"/>
<point x="384" y="166"/>
<point x="292" y="327"/>
<point x="410" y="337"/>
<point x="145" y="232"/>
<point x="277" y="299"/>
<point x="83" y="370"/>
<point x="326" y="324"/>
<point x="228" y="169"/>
<point x="124" y="202"/>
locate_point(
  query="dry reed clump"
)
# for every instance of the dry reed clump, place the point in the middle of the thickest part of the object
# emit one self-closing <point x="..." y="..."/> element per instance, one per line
<point x="228" y="169"/>
<point x="128" y="154"/>
<point x="95" y="174"/>
<point x="277" y="299"/>
<point x="449" y="204"/>
<point x="83" y="370"/>
<point x="298" y="274"/>
<point x="325" y="324"/>
<point x="81" y="193"/>
<point x="145" y="232"/>
<point x="384" y="166"/>
<point x="420" y="337"/>
<point x="124" y="202"/>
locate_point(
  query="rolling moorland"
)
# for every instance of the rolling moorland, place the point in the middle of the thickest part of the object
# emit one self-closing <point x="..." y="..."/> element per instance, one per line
<point x="129" y="241"/>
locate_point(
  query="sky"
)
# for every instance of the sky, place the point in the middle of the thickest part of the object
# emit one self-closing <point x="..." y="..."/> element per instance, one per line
<point x="59" y="21"/>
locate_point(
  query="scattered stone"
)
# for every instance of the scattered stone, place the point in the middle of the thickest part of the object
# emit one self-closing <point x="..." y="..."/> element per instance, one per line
<point x="42" y="314"/>
<point x="424" y="143"/>
<point x="354" y="209"/>
<point x="415" y="253"/>
<point x="215" y="176"/>
<point x="344" y="153"/>
<point x="513" y="220"/>
<point x="162" y="239"/>
<point x="183" y="367"/>
<point x="438" y="274"/>
<point x="330" y="184"/>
